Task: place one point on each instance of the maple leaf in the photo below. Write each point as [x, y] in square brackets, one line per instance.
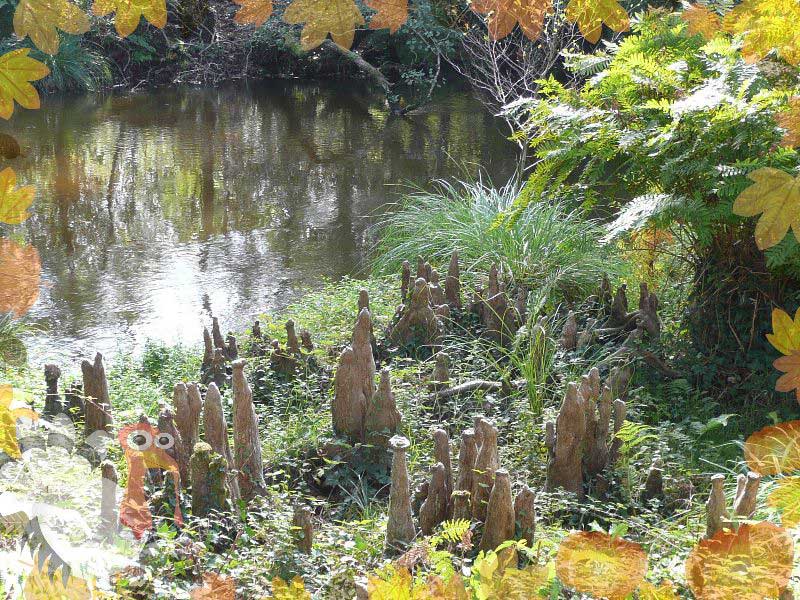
[790, 367]
[774, 449]
[391, 15]
[253, 12]
[292, 590]
[767, 25]
[20, 270]
[130, 12]
[14, 202]
[665, 591]
[8, 421]
[776, 194]
[591, 14]
[17, 69]
[785, 336]
[601, 565]
[789, 120]
[39, 20]
[215, 587]
[752, 563]
[322, 17]
[505, 14]
[701, 20]
[786, 496]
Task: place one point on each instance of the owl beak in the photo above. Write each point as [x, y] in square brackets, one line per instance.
[155, 458]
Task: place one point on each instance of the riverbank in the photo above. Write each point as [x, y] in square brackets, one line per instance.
[672, 437]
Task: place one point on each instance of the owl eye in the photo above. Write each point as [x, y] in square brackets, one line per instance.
[140, 439]
[165, 441]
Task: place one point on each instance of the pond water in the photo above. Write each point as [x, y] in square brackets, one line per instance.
[156, 210]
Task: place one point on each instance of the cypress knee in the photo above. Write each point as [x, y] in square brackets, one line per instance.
[209, 473]
[247, 446]
[216, 432]
[400, 531]
[499, 525]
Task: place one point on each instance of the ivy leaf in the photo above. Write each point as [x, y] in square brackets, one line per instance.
[789, 120]
[767, 25]
[40, 20]
[17, 69]
[14, 202]
[701, 20]
[20, 271]
[130, 12]
[786, 497]
[338, 18]
[505, 14]
[253, 12]
[591, 14]
[391, 15]
[785, 336]
[790, 367]
[776, 194]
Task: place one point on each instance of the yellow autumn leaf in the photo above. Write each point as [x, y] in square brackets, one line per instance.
[292, 590]
[130, 12]
[665, 591]
[8, 421]
[786, 497]
[767, 25]
[785, 334]
[20, 271]
[17, 70]
[790, 367]
[604, 566]
[39, 585]
[752, 563]
[701, 20]
[776, 194]
[338, 18]
[789, 120]
[14, 201]
[591, 14]
[40, 19]
[391, 14]
[395, 585]
[253, 12]
[774, 449]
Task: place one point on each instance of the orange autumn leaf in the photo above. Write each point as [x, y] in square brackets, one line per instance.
[253, 12]
[14, 201]
[20, 270]
[775, 449]
[786, 497]
[789, 120]
[776, 194]
[338, 18]
[752, 563]
[591, 14]
[130, 12]
[785, 336]
[41, 19]
[17, 70]
[767, 25]
[592, 562]
[665, 591]
[391, 15]
[790, 367]
[8, 421]
[701, 20]
[215, 587]
[505, 14]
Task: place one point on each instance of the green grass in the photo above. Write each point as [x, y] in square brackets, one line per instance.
[549, 248]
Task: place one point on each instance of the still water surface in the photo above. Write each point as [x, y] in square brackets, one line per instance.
[156, 210]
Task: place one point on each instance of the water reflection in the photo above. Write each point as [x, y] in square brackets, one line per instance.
[155, 210]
